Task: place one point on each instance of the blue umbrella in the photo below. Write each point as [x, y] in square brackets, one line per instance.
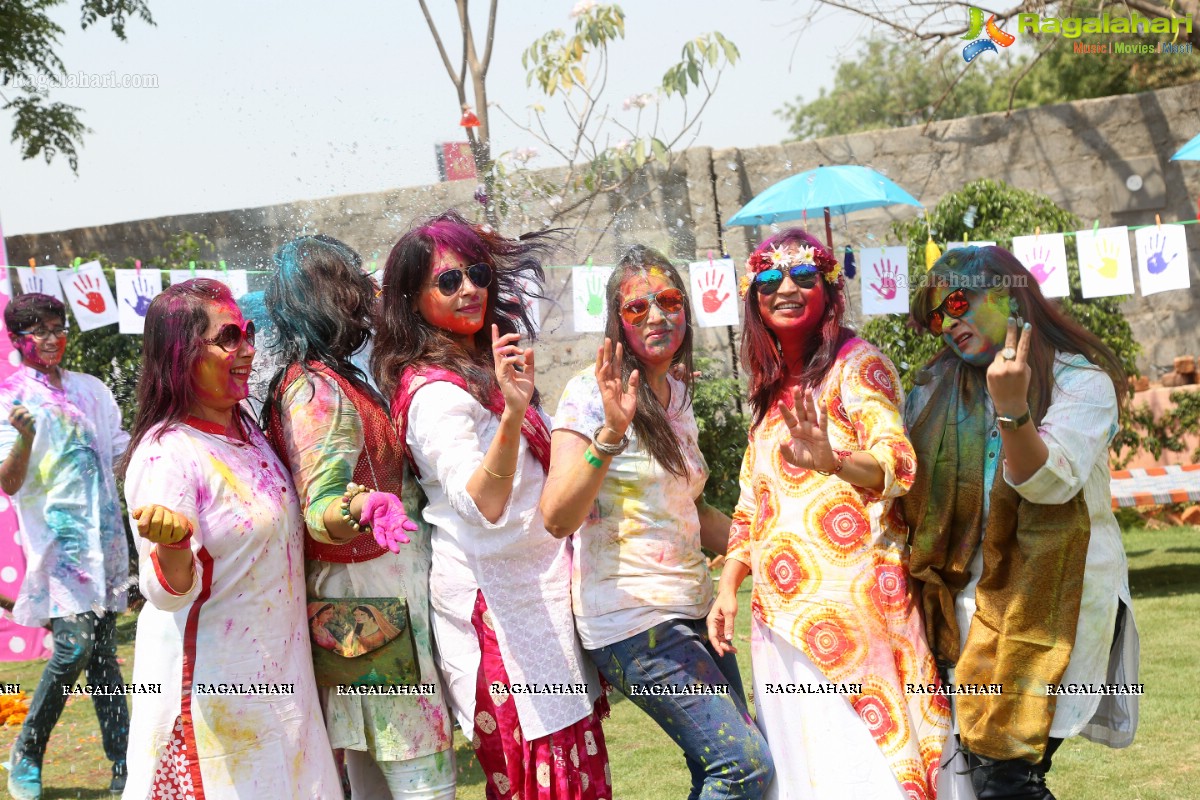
[1189, 152]
[837, 190]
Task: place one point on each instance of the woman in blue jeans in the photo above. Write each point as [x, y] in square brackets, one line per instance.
[626, 479]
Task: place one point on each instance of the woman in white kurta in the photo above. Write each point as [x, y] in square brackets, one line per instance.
[224, 632]
[1024, 415]
[500, 585]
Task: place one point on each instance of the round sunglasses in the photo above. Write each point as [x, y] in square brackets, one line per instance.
[954, 306]
[450, 281]
[805, 276]
[669, 301]
[231, 336]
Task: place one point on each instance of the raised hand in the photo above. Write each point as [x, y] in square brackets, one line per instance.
[888, 274]
[809, 446]
[1008, 375]
[514, 370]
[384, 512]
[161, 525]
[619, 397]
[1037, 269]
[710, 283]
[88, 286]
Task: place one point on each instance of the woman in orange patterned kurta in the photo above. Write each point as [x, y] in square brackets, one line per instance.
[845, 686]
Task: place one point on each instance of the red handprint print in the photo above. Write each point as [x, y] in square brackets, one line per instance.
[710, 287]
[88, 286]
[888, 273]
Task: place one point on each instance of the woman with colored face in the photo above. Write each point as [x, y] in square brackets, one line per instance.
[1012, 423]
[220, 543]
[449, 353]
[815, 523]
[332, 428]
[626, 482]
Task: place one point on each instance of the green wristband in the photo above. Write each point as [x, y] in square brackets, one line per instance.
[590, 458]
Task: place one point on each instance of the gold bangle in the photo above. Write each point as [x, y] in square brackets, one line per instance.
[498, 475]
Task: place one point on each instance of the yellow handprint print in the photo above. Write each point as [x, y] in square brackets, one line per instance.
[1107, 252]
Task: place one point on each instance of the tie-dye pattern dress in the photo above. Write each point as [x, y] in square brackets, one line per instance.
[238, 714]
[837, 638]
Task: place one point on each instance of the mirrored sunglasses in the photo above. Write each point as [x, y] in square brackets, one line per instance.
[669, 301]
[805, 276]
[954, 306]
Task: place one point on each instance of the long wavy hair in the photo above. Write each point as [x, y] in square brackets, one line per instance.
[650, 419]
[322, 306]
[171, 346]
[991, 268]
[761, 355]
[404, 338]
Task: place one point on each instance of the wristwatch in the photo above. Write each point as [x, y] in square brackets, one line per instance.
[1010, 423]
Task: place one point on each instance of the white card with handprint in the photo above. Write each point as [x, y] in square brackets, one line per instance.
[1045, 256]
[1162, 259]
[980, 243]
[587, 298]
[181, 275]
[135, 289]
[39, 280]
[714, 292]
[236, 279]
[1105, 265]
[884, 277]
[89, 297]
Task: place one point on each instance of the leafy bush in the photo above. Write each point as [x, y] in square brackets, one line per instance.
[723, 431]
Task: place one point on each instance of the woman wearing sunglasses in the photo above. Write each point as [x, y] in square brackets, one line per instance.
[1023, 576]
[627, 479]
[333, 431]
[836, 638]
[220, 546]
[477, 446]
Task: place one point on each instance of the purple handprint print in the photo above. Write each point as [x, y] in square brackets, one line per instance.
[35, 285]
[144, 295]
[1037, 265]
[888, 274]
[1155, 263]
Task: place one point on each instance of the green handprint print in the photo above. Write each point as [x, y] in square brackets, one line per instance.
[595, 290]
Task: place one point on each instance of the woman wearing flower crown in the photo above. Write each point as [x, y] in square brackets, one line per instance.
[836, 637]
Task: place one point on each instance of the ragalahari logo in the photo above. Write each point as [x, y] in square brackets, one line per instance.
[995, 36]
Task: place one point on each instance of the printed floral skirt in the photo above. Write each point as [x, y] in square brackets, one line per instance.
[570, 764]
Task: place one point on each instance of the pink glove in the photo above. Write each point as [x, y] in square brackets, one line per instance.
[385, 514]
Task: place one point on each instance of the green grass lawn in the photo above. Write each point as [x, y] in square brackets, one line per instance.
[1164, 572]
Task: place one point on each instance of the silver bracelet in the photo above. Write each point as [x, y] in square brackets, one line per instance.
[609, 449]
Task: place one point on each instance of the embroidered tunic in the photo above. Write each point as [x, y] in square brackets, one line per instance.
[240, 628]
[76, 555]
[828, 564]
[324, 437]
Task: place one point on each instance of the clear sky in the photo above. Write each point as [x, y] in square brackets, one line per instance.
[269, 102]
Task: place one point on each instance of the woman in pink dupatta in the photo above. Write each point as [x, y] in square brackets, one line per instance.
[477, 448]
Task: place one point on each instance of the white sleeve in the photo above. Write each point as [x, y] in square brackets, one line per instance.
[1077, 428]
[165, 473]
[443, 435]
[120, 438]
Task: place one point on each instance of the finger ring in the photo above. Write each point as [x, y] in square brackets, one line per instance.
[1008, 354]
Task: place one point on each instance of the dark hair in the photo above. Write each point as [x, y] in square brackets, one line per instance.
[987, 268]
[761, 356]
[172, 344]
[321, 306]
[312, 617]
[404, 338]
[27, 310]
[650, 421]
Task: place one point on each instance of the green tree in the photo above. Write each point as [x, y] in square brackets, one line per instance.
[29, 64]
[894, 83]
[723, 430]
[1001, 213]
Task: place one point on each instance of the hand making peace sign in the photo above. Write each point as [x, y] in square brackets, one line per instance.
[1008, 375]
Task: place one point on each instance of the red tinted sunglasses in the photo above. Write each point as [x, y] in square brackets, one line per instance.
[954, 306]
[670, 301]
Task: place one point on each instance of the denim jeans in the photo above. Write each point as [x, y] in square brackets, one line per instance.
[725, 752]
[82, 641]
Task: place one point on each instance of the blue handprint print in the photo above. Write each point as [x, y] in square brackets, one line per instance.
[144, 295]
[34, 284]
[1155, 263]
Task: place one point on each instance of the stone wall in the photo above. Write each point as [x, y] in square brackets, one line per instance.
[1079, 154]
